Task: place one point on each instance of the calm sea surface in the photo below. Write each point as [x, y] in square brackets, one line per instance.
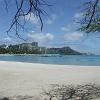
[63, 60]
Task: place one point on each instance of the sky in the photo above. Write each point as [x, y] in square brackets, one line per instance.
[60, 27]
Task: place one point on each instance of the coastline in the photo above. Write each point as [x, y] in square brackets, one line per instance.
[30, 55]
[18, 78]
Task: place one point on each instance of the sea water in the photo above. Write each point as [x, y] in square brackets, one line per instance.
[92, 60]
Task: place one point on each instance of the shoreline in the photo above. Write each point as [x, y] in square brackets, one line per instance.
[45, 54]
[51, 64]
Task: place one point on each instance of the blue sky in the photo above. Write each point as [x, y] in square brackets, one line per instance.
[60, 28]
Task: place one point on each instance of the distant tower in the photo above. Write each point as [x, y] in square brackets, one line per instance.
[45, 50]
[35, 44]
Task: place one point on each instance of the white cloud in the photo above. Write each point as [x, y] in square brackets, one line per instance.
[78, 15]
[41, 37]
[7, 39]
[31, 18]
[51, 19]
[65, 29]
[73, 36]
[68, 28]
[70, 32]
[35, 20]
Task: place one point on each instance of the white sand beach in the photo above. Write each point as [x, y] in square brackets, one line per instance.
[18, 78]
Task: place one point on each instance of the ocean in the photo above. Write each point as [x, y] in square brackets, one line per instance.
[92, 60]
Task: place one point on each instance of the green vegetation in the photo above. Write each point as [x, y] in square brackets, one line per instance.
[33, 48]
[91, 17]
[21, 49]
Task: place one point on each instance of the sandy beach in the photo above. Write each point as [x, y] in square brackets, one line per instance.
[18, 78]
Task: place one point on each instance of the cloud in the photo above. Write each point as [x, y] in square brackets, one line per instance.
[35, 20]
[69, 28]
[7, 39]
[65, 29]
[31, 18]
[70, 32]
[51, 19]
[78, 15]
[41, 37]
[73, 36]
[73, 26]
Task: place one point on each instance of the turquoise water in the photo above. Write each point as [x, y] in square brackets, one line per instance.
[62, 60]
